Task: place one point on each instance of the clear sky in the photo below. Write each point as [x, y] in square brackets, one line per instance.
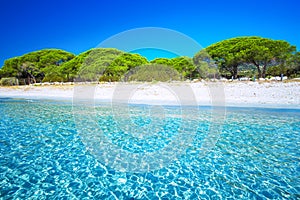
[77, 26]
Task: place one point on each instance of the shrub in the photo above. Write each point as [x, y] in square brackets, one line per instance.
[152, 72]
[9, 81]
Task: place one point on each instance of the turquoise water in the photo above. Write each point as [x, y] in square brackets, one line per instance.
[43, 156]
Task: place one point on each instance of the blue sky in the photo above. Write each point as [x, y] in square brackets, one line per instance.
[77, 26]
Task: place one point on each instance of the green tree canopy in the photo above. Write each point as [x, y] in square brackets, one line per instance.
[184, 65]
[241, 56]
[122, 64]
[293, 65]
[152, 72]
[205, 65]
[226, 55]
[95, 63]
[163, 61]
[69, 70]
[33, 67]
[261, 52]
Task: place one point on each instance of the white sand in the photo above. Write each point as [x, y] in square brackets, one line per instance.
[266, 94]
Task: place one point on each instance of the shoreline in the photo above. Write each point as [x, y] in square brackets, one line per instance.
[237, 94]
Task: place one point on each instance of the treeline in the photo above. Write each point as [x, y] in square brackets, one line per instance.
[253, 56]
[232, 58]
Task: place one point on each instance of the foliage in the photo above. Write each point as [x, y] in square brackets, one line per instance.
[235, 57]
[54, 75]
[94, 65]
[33, 66]
[122, 64]
[264, 53]
[261, 52]
[185, 66]
[247, 70]
[69, 70]
[152, 72]
[207, 71]
[10, 68]
[163, 61]
[9, 81]
[205, 65]
[275, 71]
[226, 55]
[293, 65]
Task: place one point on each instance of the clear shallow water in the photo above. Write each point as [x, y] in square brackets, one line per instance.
[42, 155]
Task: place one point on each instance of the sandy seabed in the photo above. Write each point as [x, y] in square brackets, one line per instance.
[253, 94]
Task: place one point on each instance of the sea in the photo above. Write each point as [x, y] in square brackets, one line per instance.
[53, 149]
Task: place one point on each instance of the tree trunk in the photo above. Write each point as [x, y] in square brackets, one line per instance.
[263, 75]
[235, 72]
[28, 80]
[259, 71]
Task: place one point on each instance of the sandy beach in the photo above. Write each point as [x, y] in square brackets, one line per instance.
[256, 94]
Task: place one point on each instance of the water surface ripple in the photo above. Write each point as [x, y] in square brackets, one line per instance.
[42, 156]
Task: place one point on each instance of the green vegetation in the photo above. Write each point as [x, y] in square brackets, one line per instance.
[184, 65]
[152, 72]
[262, 53]
[33, 67]
[121, 65]
[232, 58]
[162, 61]
[205, 66]
[10, 81]
[292, 66]
[96, 62]
[69, 70]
